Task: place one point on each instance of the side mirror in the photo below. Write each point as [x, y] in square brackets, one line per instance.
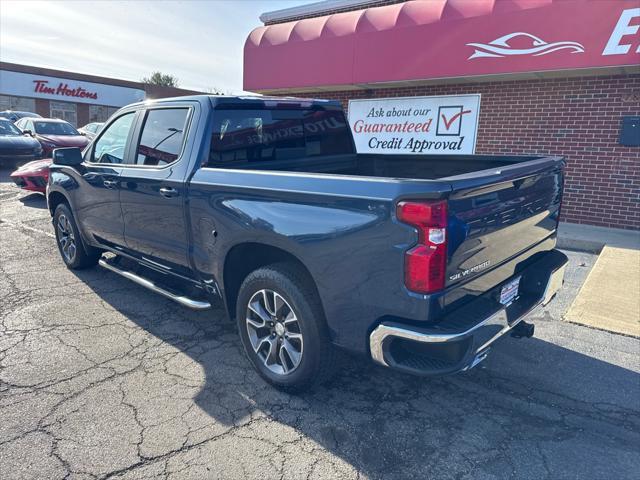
[69, 156]
[27, 132]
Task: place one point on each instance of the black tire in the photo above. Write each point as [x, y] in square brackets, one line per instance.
[82, 256]
[317, 353]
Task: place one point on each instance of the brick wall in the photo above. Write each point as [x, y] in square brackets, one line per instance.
[42, 107]
[576, 117]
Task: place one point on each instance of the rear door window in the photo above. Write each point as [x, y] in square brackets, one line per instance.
[244, 138]
[162, 136]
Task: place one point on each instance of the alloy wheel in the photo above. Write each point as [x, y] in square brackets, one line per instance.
[66, 238]
[274, 332]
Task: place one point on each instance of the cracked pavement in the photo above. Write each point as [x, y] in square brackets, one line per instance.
[100, 378]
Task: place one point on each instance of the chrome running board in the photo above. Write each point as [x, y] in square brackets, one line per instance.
[143, 282]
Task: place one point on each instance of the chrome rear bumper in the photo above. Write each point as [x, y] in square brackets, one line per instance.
[463, 338]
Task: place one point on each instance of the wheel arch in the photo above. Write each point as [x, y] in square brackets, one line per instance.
[244, 258]
[54, 199]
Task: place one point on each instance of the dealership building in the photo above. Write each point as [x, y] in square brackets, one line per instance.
[74, 97]
[557, 77]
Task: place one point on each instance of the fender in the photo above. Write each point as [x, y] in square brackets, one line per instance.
[61, 182]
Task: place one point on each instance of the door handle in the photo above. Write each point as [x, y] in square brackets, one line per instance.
[168, 192]
[110, 183]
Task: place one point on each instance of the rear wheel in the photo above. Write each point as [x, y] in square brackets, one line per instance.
[282, 328]
[75, 253]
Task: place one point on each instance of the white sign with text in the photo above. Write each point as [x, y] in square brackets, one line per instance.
[415, 125]
[54, 88]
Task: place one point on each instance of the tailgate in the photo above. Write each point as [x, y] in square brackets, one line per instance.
[495, 215]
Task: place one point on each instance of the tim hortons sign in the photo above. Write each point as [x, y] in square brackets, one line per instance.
[63, 89]
[67, 90]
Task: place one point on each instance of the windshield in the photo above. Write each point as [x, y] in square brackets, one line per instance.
[8, 128]
[54, 128]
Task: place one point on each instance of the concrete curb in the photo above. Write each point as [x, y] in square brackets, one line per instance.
[587, 238]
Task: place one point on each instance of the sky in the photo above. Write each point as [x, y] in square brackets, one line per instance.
[198, 41]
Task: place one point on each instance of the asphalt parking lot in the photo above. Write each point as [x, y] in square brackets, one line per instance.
[101, 379]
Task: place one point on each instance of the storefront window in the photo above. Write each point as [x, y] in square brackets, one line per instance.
[20, 104]
[100, 113]
[64, 111]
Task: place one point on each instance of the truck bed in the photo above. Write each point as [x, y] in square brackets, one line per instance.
[498, 206]
[415, 167]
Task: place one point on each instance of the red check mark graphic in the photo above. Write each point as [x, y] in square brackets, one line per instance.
[447, 123]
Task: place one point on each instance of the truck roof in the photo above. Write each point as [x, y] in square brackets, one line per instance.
[250, 100]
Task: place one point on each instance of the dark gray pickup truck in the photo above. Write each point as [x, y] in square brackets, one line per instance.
[263, 204]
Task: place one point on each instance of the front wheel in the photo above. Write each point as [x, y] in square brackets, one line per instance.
[282, 328]
[75, 254]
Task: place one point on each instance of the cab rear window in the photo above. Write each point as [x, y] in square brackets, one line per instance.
[248, 138]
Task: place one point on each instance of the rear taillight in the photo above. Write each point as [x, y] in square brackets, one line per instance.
[425, 264]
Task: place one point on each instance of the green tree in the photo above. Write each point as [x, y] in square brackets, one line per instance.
[162, 79]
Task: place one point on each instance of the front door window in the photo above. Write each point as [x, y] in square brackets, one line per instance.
[110, 147]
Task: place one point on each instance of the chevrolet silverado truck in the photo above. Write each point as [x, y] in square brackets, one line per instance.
[263, 206]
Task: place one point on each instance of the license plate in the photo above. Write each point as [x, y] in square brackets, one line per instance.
[509, 291]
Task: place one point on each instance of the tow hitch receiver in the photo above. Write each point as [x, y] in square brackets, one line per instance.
[523, 330]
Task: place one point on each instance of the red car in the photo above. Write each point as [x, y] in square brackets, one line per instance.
[52, 133]
[33, 176]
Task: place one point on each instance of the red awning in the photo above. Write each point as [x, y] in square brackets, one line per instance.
[420, 40]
